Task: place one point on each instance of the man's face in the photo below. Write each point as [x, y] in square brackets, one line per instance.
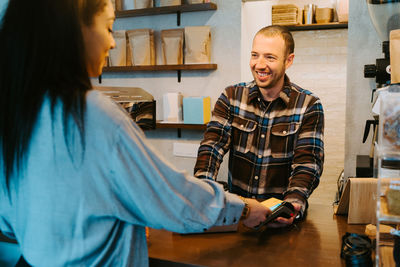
[268, 61]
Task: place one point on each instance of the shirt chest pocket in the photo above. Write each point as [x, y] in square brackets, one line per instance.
[283, 138]
[243, 131]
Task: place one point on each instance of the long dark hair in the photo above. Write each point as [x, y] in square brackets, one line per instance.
[42, 54]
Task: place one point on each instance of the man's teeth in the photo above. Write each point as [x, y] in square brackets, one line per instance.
[263, 74]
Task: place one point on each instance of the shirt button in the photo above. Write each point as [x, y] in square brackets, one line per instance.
[256, 177]
[263, 135]
[284, 132]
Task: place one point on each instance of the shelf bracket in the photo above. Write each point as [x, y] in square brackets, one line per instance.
[179, 75]
[178, 18]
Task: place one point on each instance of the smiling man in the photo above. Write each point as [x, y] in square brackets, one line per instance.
[272, 128]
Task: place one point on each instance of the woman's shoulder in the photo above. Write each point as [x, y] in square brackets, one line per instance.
[105, 115]
[101, 107]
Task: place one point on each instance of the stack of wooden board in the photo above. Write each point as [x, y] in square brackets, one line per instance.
[285, 14]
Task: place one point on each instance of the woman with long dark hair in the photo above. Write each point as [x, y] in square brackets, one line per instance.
[79, 182]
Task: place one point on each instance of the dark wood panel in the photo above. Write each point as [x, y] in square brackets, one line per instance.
[165, 10]
[161, 68]
[313, 242]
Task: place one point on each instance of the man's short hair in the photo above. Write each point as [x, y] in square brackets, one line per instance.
[277, 30]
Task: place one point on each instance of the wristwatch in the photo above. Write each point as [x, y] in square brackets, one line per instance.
[246, 209]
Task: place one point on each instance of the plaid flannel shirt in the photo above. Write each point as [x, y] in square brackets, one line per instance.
[276, 148]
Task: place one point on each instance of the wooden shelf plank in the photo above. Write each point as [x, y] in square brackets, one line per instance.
[165, 10]
[327, 26]
[160, 125]
[161, 68]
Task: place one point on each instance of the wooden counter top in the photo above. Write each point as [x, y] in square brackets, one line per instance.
[313, 242]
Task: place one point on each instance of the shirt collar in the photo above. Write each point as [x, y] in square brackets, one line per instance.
[254, 91]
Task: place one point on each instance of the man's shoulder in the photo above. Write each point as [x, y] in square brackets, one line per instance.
[239, 89]
[302, 91]
[239, 93]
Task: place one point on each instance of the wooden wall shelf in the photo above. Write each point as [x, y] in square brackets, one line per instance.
[177, 68]
[180, 126]
[160, 125]
[315, 26]
[161, 68]
[165, 10]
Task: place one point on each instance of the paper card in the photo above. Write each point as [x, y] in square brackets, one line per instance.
[272, 203]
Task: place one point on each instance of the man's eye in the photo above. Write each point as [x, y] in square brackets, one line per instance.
[110, 30]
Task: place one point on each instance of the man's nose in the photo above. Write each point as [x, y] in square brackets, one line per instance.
[261, 63]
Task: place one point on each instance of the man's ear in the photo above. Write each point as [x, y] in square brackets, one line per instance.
[289, 60]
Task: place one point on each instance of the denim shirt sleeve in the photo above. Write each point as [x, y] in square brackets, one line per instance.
[152, 192]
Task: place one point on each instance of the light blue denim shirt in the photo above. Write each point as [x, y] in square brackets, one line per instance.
[91, 210]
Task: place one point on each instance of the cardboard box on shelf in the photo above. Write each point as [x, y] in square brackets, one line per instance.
[343, 10]
[284, 14]
[196, 110]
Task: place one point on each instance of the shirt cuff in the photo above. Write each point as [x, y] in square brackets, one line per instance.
[233, 210]
[301, 202]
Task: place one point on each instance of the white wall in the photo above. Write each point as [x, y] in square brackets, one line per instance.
[255, 15]
[320, 66]
[364, 48]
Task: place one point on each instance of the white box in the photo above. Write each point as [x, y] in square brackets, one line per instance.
[172, 103]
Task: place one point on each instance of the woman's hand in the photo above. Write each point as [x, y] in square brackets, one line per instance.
[258, 213]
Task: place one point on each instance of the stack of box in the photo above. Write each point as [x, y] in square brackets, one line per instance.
[196, 110]
[285, 14]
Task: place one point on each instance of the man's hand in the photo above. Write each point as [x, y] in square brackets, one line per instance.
[258, 213]
[283, 222]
